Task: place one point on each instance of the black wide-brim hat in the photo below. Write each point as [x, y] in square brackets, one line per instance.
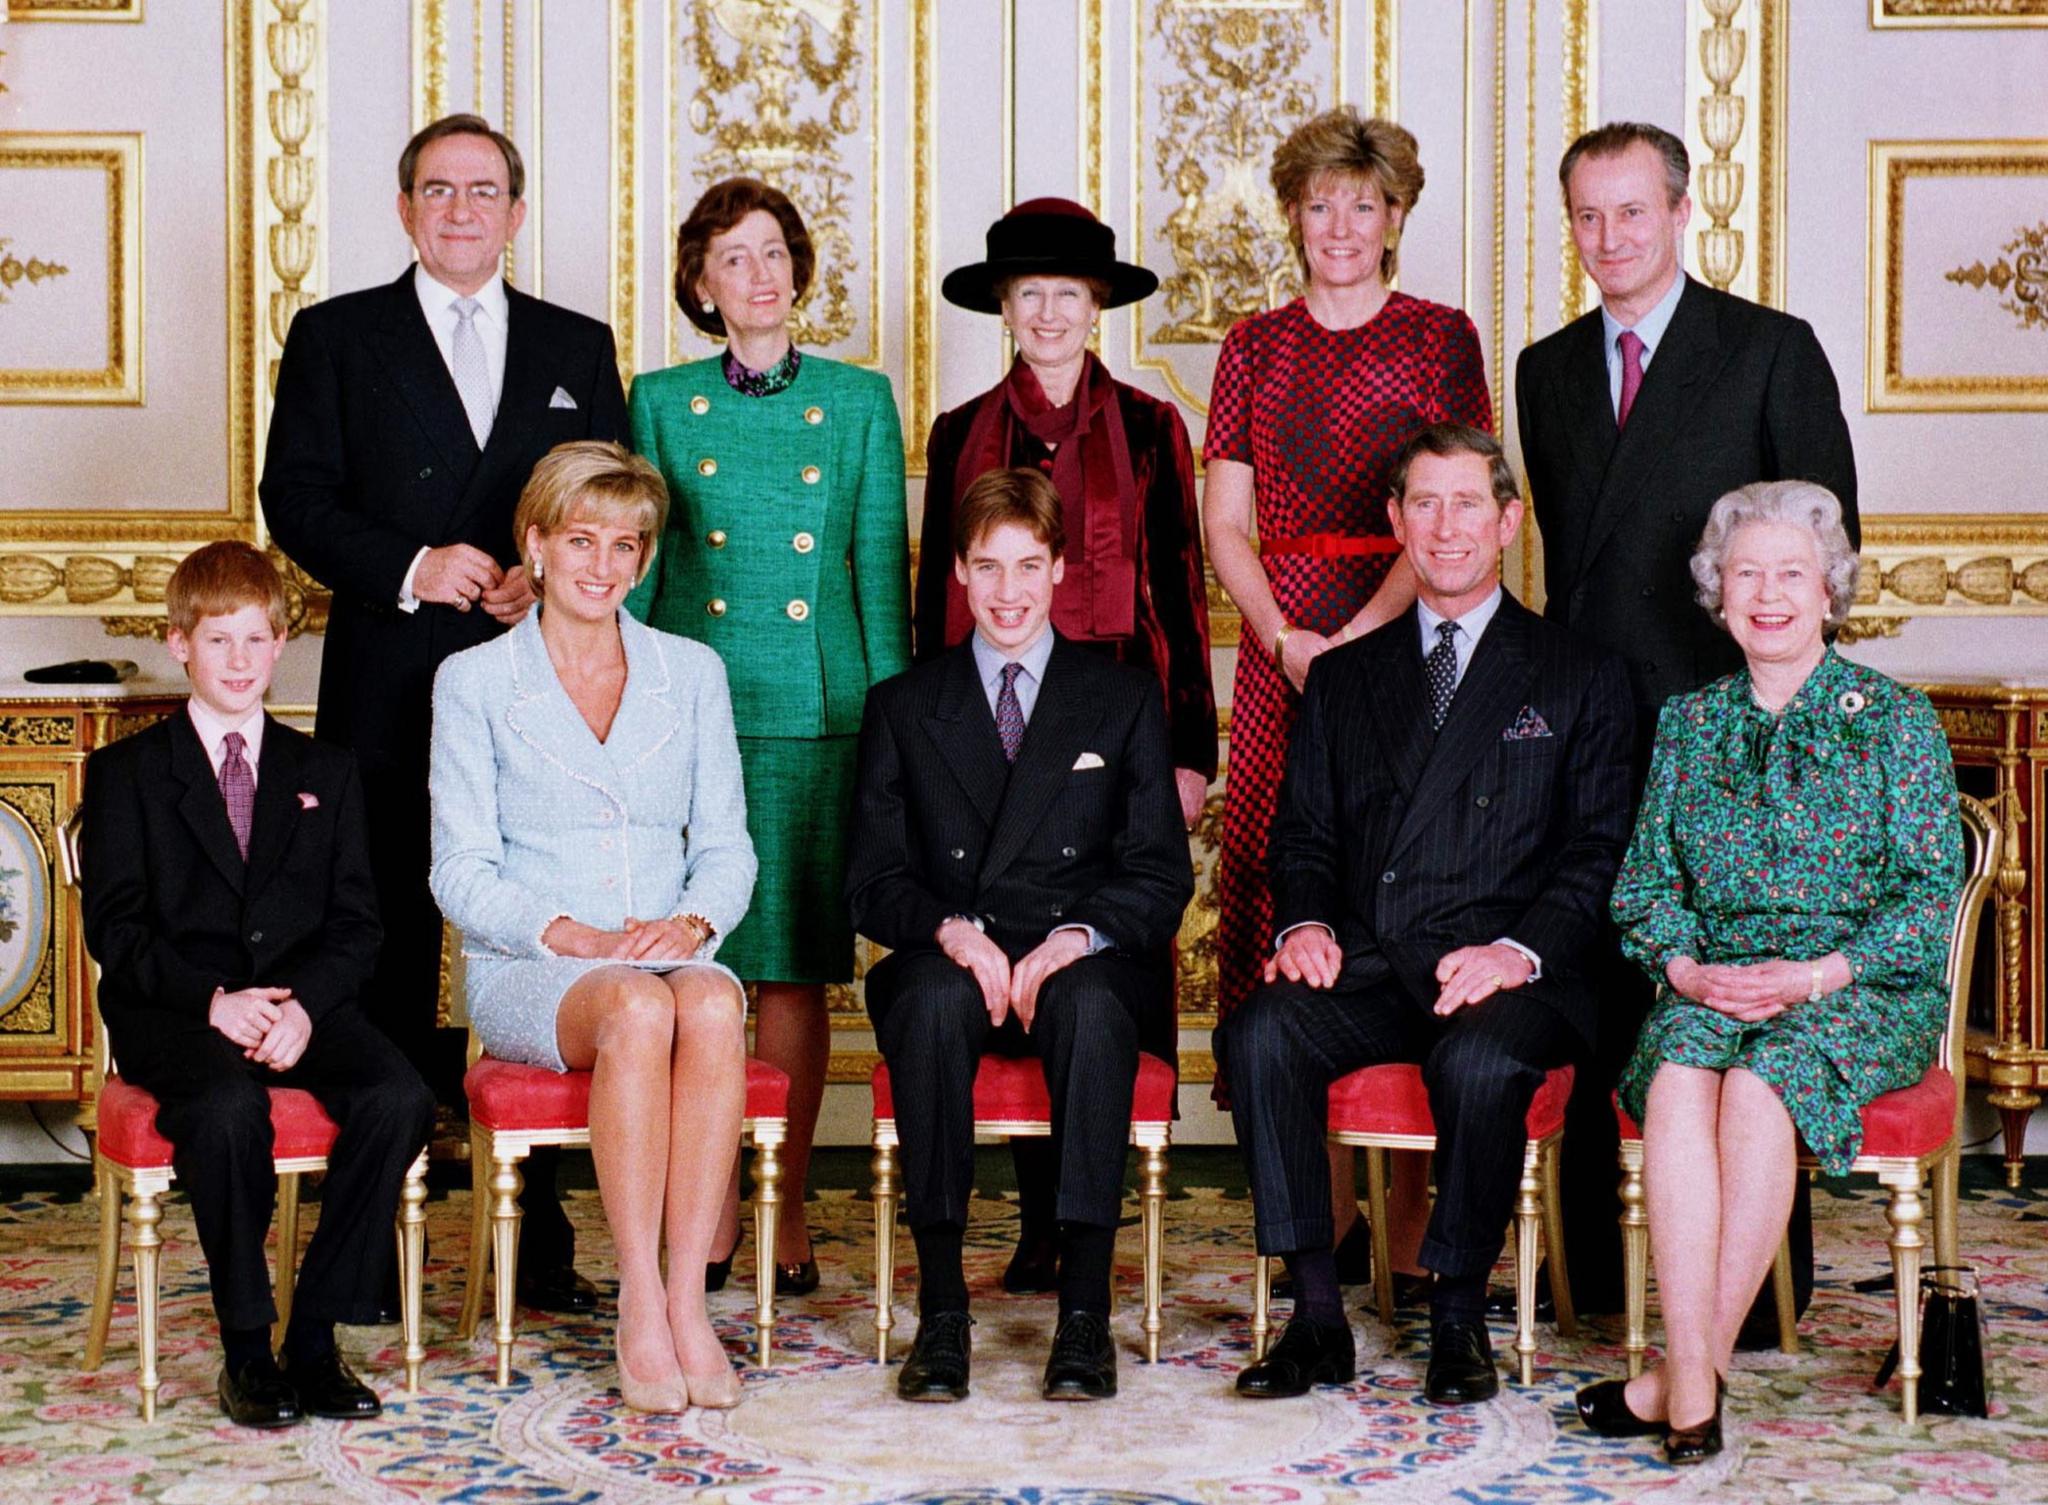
[1047, 238]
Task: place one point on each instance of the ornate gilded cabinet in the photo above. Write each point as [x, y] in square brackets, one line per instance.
[1999, 736]
[46, 1015]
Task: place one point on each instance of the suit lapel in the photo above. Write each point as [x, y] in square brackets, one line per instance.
[529, 385]
[1404, 724]
[964, 732]
[1060, 723]
[1688, 355]
[409, 353]
[646, 719]
[277, 806]
[541, 713]
[201, 805]
[1495, 686]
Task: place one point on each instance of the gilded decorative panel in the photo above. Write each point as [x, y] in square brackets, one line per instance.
[786, 91]
[30, 964]
[1958, 276]
[1735, 128]
[71, 268]
[1887, 13]
[74, 10]
[1962, 564]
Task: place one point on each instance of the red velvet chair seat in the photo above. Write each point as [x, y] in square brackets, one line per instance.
[508, 1097]
[1011, 1089]
[128, 1136]
[1902, 1125]
[1394, 1100]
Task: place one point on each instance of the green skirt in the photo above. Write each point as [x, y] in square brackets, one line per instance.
[799, 810]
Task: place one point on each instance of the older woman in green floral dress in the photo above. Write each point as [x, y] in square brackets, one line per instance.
[1789, 886]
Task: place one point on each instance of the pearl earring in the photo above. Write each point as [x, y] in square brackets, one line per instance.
[710, 307]
[534, 573]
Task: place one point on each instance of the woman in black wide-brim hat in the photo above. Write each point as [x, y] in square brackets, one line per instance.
[1126, 476]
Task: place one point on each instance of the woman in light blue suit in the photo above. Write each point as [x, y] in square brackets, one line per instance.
[590, 841]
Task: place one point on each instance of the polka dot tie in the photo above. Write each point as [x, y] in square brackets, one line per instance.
[1010, 712]
[1440, 669]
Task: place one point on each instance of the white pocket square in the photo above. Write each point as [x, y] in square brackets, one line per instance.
[1087, 760]
[561, 399]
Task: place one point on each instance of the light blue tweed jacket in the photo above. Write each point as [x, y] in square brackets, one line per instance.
[534, 818]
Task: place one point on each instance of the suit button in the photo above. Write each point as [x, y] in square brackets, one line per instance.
[1678, 517]
[611, 882]
[811, 475]
[798, 610]
[715, 607]
[429, 470]
[707, 466]
[1649, 668]
[959, 854]
[255, 937]
[1066, 851]
[604, 817]
[716, 538]
[1387, 876]
[604, 844]
[1057, 911]
[1649, 591]
[1482, 802]
[700, 405]
[803, 543]
[814, 415]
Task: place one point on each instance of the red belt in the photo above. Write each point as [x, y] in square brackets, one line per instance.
[1332, 545]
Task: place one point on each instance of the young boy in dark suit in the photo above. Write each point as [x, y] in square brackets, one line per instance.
[228, 899]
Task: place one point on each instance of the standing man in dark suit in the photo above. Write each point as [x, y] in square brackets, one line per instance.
[1018, 847]
[227, 899]
[1635, 419]
[407, 420]
[1454, 808]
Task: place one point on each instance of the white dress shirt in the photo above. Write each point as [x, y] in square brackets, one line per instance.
[492, 321]
[1649, 329]
[213, 731]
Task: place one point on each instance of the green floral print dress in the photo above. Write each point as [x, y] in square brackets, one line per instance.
[1830, 826]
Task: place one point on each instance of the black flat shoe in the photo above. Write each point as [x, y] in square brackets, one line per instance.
[258, 1395]
[1687, 1445]
[718, 1271]
[1083, 1362]
[799, 1279]
[328, 1387]
[1034, 1268]
[556, 1288]
[1603, 1407]
[1461, 1370]
[1306, 1354]
[936, 1369]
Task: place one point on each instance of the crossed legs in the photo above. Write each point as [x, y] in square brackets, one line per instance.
[1719, 1165]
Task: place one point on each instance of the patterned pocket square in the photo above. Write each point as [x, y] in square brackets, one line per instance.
[1528, 724]
[561, 399]
[308, 800]
[1087, 760]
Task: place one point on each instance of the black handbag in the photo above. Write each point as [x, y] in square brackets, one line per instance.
[1955, 1375]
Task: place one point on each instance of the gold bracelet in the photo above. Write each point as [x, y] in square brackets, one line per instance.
[1815, 993]
[1280, 640]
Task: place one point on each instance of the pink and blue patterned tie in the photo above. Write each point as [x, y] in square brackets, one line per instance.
[237, 790]
[1010, 713]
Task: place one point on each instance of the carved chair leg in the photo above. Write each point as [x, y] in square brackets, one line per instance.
[1947, 1172]
[108, 1269]
[1528, 1215]
[1553, 1245]
[1784, 1301]
[505, 1184]
[767, 1213]
[287, 1279]
[1906, 1213]
[885, 1244]
[1153, 1221]
[1262, 1303]
[1635, 1254]
[145, 1212]
[1376, 1209]
[412, 1279]
[479, 1232]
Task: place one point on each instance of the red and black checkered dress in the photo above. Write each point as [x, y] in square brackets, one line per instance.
[1319, 415]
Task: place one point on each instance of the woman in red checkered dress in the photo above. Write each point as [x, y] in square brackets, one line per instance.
[1311, 402]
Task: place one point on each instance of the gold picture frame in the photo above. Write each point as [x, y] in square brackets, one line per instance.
[1888, 15]
[117, 154]
[2017, 275]
[74, 10]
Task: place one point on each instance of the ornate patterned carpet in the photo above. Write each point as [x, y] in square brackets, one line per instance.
[822, 1426]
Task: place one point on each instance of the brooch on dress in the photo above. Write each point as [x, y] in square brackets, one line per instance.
[1851, 702]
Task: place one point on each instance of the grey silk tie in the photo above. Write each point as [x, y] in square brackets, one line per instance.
[472, 371]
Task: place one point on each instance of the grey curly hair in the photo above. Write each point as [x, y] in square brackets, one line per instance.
[1803, 503]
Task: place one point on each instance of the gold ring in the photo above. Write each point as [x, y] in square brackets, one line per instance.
[1499, 981]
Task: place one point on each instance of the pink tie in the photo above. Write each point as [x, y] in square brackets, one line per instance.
[1631, 374]
[237, 789]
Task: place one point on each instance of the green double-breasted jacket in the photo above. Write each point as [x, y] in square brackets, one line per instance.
[787, 545]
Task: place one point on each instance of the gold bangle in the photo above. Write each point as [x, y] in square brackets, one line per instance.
[1280, 640]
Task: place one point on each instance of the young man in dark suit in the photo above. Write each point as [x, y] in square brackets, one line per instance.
[1018, 847]
[408, 418]
[1635, 419]
[1454, 808]
[228, 900]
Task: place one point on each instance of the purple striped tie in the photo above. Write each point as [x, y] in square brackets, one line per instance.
[1010, 712]
[237, 789]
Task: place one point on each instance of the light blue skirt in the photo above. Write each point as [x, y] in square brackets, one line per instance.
[513, 1001]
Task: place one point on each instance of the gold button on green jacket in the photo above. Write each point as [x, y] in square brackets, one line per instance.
[789, 511]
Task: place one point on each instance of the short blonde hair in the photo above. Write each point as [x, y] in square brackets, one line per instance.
[219, 580]
[1341, 143]
[1802, 503]
[592, 479]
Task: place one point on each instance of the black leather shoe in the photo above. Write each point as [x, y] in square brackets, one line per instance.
[937, 1366]
[258, 1395]
[799, 1279]
[1035, 1267]
[1461, 1368]
[1684, 1445]
[718, 1271]
[1306, 1354]
[556, 1288]
[328, 1387]
[1083, 1362]
[1500, 1302]
[1603, 1407]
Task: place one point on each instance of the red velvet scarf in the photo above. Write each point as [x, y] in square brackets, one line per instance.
[1099, 499]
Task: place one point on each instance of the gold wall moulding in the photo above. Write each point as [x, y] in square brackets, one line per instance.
[1737, 71]
[82, 581]
[1894, 166]
[13, 269]
[74, 10]
[1946, 565]
[2019, 278]
[1864, 629]
[1901, 13]
[292, 48]
[117, 155]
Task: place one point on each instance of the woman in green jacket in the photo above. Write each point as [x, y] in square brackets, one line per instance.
[786, 551]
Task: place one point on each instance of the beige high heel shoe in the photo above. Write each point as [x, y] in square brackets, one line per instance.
[669, 1394]
[714, 1392]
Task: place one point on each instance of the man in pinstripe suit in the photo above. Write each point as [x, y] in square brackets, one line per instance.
[1455, 805]
[1018, 846]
